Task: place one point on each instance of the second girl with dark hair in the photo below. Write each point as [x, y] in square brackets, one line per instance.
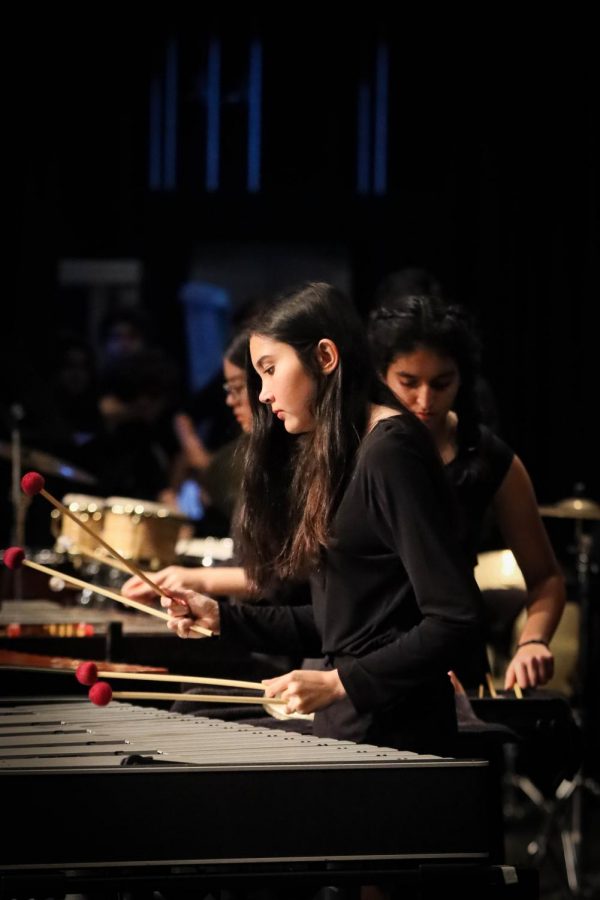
[426, 351]
[344, 487]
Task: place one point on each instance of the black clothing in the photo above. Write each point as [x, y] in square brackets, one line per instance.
[475, 482]
[476, 489]
[394, 603]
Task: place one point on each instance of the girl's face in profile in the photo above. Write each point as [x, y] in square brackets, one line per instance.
[286, 385]
[426, 383]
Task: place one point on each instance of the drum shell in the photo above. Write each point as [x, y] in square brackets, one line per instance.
[69, 536]
[141, 530]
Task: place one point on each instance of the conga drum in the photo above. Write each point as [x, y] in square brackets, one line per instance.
[70, 538]
[142, 530]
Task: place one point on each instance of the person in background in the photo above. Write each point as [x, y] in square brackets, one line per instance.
[124, 332]
[419, 282]
[427, 354]
[132, 453]
[219, 474]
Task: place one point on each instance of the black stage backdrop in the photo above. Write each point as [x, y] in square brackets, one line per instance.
[484, 169]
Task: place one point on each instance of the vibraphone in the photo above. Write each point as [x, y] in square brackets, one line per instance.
[128, 792]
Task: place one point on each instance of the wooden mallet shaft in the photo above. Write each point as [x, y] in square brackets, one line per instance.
[102, 558]
[130, 566]
[97, 589]
[182, 679]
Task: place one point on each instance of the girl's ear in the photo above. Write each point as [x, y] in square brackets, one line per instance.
[328, 356]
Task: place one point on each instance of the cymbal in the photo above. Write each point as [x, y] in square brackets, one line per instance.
[572, 508]
[44, 462]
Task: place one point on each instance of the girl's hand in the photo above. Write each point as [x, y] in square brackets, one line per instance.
[186, 608]
[305, 690]
[531, 666]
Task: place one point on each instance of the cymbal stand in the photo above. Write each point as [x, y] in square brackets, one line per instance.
[563, 814]
[572, 838]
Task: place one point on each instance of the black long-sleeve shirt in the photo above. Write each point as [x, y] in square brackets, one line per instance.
[394, 602]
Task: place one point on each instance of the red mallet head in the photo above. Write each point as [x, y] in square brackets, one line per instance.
[32, 483]
[100, 693]
[13, 557]
[87, 673]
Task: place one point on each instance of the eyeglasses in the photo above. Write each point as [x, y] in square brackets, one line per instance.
[233, 390]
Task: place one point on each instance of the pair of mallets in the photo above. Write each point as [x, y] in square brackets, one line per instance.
[100, 692]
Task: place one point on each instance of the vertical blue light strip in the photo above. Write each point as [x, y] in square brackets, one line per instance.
[382, 66]
[254, 116]
[154, 137]
[170, 162]
[213, 110]
[363, 144]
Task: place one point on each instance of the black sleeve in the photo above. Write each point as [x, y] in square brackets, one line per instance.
[271, 629]
[410, 510]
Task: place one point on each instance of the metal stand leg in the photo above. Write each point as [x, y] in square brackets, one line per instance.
[562, 817]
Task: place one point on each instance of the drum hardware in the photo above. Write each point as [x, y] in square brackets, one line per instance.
[48, 557]
[22, 457]
[205, 551]
[562, 814]
[76, 560]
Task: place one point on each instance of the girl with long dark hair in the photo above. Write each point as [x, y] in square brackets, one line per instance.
[343, 487]
[427, 352]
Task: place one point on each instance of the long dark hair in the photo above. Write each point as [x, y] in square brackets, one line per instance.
[407, 322]
[236, 350]
[292, 483]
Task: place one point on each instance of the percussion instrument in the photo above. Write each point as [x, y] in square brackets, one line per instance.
[69, 537]
[31, 458]
[142, 530]
[206, 551]
[128, 790]
[571, 508]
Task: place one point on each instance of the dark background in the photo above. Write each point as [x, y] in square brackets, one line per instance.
[492, 183]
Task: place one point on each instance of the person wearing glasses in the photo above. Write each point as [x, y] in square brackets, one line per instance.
[219, 475]
[218, 472]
